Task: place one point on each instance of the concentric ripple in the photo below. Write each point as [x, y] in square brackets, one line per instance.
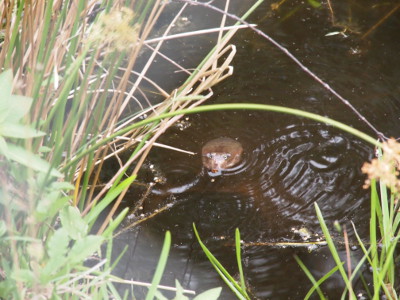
[310, 163]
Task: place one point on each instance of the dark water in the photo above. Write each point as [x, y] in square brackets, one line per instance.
[289, 163]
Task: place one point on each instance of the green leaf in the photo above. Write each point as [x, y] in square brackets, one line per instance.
[12, 107]
[3, 146]
[115, 223]
[162, 262]
[239, 259]
[30, 160]
[57, 246]
[18, 107]
[3, 228]
[209, 294]
[44, 149]
[50, 204]
[5, 92]
[73, 223]
[6, 288]
[14, 130]
[62, 185]
[314, 3]
[84, 248]
[226, 277]
[24, 275]
[179, 292]
[110, 196]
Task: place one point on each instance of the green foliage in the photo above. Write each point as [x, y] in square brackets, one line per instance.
[154, 291]
[211, 294]
[238, 289]
[379, 254]
[12, 109]
[30, 199]
[160, 266]
[54, 142]
[314, 3]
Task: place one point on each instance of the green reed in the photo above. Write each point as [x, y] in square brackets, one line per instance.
[59, 135]
[62, 56]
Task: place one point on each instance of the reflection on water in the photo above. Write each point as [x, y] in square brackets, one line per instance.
[288, 163]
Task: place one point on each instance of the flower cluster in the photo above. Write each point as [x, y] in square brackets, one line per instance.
[386, 168]
[115, 30]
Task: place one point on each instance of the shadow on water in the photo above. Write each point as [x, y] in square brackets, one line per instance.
[289, 163]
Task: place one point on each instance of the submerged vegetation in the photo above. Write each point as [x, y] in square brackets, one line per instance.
[76, 92]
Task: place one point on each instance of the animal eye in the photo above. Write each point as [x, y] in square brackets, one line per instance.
[209, 155]
[226, 156]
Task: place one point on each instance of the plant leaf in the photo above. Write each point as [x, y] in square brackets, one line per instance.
[3, 146]
[84, 247]
[73, 223]
[162, 262]
[211, 294]
[23, 275]
[179, 291]
[14, 130]
[30, 160]
[314, 3]
[57, 248]
[3, 228]
[18, 106]
[57, 245]
[49, 205]
[5, 92]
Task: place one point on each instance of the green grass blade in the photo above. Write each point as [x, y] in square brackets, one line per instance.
[160, 266]
[375, 214]
[111, 195]
[315, 283]
[387, 264]
[231, 106]
[332, 248]
[115, 222]
[228, 279]
[239, 259]
[15, 33]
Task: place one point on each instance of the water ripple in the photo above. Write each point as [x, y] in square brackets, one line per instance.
[306, 164]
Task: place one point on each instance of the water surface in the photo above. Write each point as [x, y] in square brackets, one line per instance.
[289, 163]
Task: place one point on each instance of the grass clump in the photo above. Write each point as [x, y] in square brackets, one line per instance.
[71, 89]
[380, 251]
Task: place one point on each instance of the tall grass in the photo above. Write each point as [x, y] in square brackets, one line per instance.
[69, 77]
[76, 65]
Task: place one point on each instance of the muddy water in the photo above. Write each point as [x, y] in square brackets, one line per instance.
[288, 163]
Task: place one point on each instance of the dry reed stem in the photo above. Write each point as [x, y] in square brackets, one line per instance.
[380, 22]
[348, 260]
[69, 45]
[209, 78]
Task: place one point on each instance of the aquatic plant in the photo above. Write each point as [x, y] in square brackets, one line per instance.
[74, 62]
[238, 288]
[66, 59]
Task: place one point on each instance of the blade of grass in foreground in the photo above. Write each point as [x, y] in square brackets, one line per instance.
[160, 266]
[333, 249]
[226, 277]
[111, 195]
[316, 284]
[239, 259]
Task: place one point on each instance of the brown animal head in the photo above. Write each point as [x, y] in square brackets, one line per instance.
[221, 154]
